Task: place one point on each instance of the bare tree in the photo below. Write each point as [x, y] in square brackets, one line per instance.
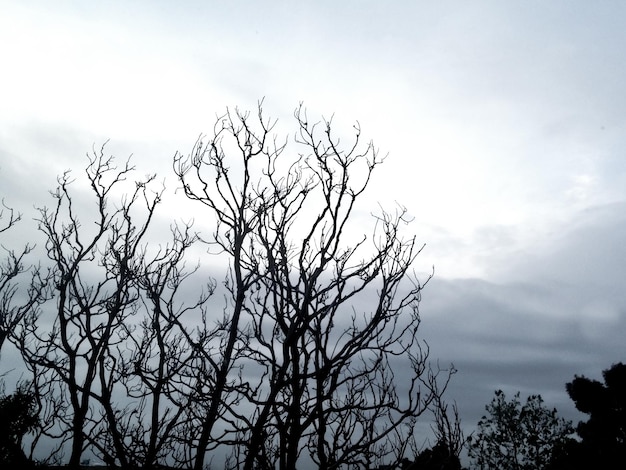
[315, 355]
[316, 317]
[95, 295]
[14, 307]
[23, 288]
[236, 217]
[154, 362]
[447, 428]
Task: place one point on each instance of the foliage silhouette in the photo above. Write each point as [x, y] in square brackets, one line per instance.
[18, 416]
[517, 436]
[440, 457]
[602, 438]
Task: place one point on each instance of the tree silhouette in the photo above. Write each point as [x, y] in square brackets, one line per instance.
[17, 299]
[602, 441]
[440, 457]
[517, 436]
[18, 416]
[310, 355]
[72, 355]
[324, 383]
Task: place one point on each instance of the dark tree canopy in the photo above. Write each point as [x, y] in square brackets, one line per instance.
[18, 416]
[517, 436]
[602, 438]
[440, 457]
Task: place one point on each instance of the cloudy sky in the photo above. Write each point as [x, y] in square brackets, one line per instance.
[505, 125]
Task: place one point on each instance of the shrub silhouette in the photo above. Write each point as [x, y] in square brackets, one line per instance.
[17, 417]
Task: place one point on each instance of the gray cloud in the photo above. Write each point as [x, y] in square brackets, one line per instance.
[556, 311]
[504, 123]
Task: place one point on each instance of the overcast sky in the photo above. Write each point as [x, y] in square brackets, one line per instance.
[505, 125]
